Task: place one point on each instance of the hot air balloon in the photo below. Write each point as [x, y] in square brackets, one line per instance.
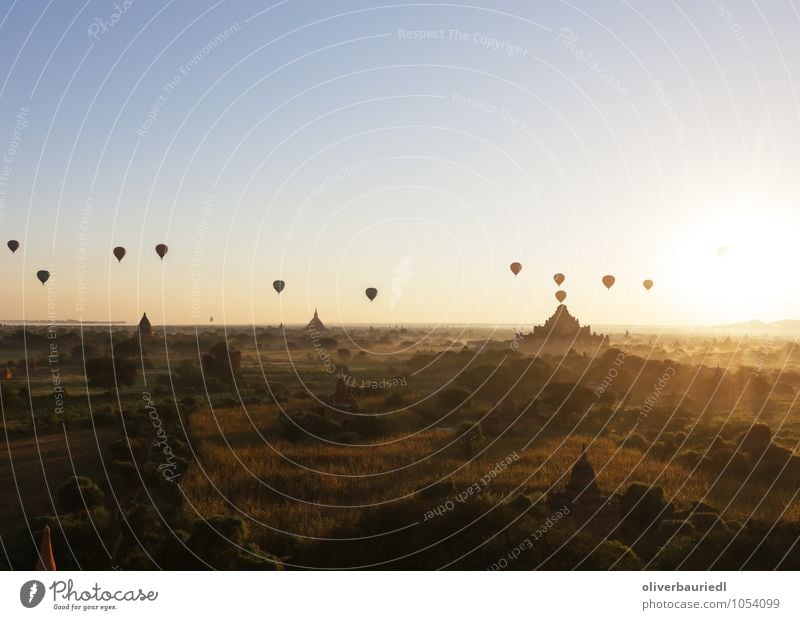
[13, 245]
[561, 296]
[43, 276]
[516, 268]
[559, 278]
[279, 285]
[119, 253]
[609, 281]
[648, 284]
[372, 293]
[211, 319]
[161, 250]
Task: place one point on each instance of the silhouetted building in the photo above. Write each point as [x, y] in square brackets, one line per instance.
[316, 323]
[560, 333]
[589, 508]
[344, 397]
[46, 559]
[145, 327]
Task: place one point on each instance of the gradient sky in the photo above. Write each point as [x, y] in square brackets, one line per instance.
[317, 143]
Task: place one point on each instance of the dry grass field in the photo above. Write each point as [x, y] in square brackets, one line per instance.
[306, 489]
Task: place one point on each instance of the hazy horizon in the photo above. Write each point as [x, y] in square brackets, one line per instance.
[737, 326]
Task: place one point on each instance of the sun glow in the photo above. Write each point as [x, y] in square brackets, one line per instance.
[731, 264]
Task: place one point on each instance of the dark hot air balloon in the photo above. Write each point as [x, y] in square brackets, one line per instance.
[279, 285]
[516, 268]
[13, 245]
[648, 284]
[119, 253]
[561, 296]
[161, 250]
[372, 293]
[559, 278]
[43, 276]
[608, 281]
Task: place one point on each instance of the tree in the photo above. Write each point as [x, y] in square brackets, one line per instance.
[222, 362]
[756, 439]
[758, 391]
[607, 398]
[81, 352]
[107, 372]
[217, 540]
[130, 347]
[79, 493]
[454, 397]
[568, 397]
[644, 506]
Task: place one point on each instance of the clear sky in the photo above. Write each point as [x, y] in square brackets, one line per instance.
[419, 148]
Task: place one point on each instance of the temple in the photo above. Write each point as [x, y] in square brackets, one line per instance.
[588, 507]
[316, 324]
[145, 327]
[344, 397]
[560, 333]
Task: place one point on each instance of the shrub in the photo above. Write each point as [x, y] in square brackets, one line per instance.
[636, 442]
[705, 521]
[217, 539]
[349, 438]
[305, 425]
[123, 474]
[105, 415]
[109, 373]
[395, 400]
[253, 558]
[120, 450]
[644, 506]
[756, 439]
[369, 426]
[222, 362]
[675, 527]
[79, 493]
[439, 490]
[454, 397]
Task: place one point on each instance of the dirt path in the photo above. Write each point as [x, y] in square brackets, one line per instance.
[33, 463]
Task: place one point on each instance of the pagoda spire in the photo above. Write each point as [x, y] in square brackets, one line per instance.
[46, 559]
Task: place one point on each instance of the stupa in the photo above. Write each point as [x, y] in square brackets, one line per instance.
[344, 397]
[316, 324]
[587, 505]
[145, 327]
